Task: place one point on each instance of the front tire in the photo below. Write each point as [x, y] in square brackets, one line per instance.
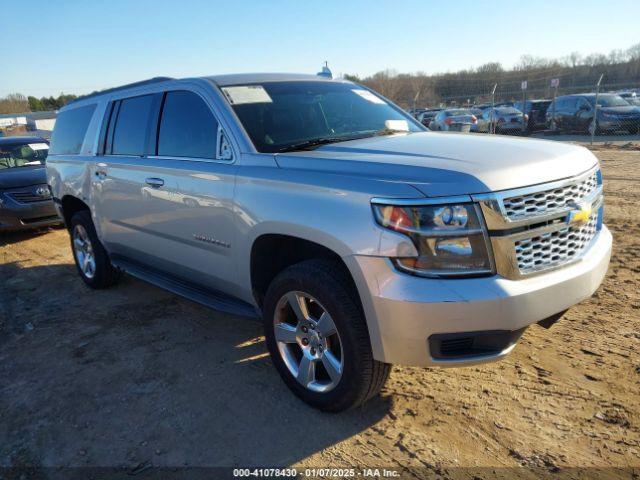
[318, 338]
[92, 260]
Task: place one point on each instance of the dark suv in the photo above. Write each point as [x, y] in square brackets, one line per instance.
[536, 111]
[574, 113]
[25, 200]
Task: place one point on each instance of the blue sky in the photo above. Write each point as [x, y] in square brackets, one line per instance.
[78, 46]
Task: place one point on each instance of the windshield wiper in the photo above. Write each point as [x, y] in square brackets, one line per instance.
[317, 142]
[314, 143]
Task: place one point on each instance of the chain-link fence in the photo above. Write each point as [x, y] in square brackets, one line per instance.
[599, 111]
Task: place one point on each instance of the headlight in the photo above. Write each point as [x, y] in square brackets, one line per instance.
[450, 238]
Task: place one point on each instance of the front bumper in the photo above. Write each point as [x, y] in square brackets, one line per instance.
[403, 312]
[509, 127]
[17, 216]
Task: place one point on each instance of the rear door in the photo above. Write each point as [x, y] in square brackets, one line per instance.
[569, 113]
[120, 173]
[165, 192]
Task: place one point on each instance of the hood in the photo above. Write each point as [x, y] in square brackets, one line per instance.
[442, 164]
[22, 176]
[622, 109]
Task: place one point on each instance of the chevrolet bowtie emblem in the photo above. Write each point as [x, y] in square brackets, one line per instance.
[580, 214]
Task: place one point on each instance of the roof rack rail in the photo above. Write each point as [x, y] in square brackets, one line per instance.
[123, 87]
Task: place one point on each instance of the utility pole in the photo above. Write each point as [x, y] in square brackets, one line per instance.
[594, 122]
[523, 86]
[415, 101]
[554, 84]
[492, 127]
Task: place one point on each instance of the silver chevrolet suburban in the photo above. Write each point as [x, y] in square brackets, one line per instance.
[361, 238]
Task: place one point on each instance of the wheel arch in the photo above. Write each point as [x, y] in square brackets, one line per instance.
[71, 205]
[271, 253]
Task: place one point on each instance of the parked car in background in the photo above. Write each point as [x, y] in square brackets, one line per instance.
[360, 238]
[428, 115]
[536, 110]
[501, 120]
[574, 113]
[25, 200]
[453, 120]
[631, 97]
[415, 112]
[477, 112]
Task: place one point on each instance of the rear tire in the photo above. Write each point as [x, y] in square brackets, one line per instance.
[294, 337]
[92, 260]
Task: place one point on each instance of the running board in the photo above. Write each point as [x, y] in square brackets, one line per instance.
[202, 295]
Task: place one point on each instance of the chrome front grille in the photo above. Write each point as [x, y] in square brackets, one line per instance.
[555, 248]
[549, 201]
[540, 228]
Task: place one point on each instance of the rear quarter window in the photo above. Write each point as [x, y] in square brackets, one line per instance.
[70, 130]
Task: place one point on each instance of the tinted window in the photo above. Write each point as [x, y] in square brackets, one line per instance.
[583, 103]
[571, 103]
[70, 129]
[187, 127]
[129, 136]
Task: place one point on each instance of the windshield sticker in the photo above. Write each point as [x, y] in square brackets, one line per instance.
[38, 146]
[397, 125]
[247, 94]
[367, 95]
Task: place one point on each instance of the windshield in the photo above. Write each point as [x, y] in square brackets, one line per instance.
[609, 101]
[23, 154]
[280, 115]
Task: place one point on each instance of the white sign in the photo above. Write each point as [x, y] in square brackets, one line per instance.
[555, 82]
[523, 85]
[39, 146]
[247, 94]
[367, 95]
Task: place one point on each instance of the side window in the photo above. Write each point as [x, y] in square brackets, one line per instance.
[561, 104]
[583, 104]
[70, 129]
[187, 127]
[131, 126]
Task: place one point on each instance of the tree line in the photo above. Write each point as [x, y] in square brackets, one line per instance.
[576, 73]
[18, 103]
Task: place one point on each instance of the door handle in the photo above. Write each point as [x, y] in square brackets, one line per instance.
[154, 182]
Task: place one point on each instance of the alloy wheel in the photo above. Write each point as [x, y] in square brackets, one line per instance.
[83, 251]
[308, 341]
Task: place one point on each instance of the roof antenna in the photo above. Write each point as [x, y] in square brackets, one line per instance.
[325, 72]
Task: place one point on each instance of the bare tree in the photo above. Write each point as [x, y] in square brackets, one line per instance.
[14, 103]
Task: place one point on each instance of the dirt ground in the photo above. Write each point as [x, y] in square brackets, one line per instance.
[134, 377]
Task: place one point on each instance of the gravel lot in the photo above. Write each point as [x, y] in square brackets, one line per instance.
[134, 376]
